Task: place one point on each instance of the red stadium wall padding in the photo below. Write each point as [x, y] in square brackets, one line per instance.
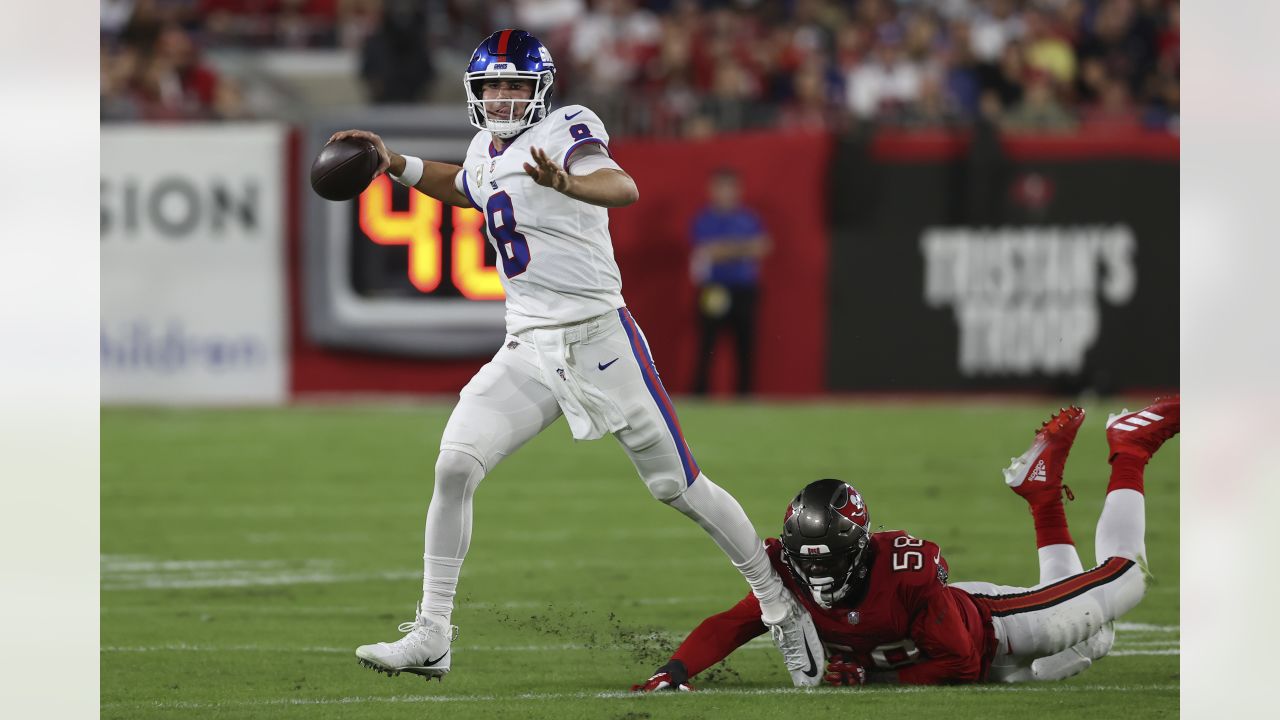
[784, 179]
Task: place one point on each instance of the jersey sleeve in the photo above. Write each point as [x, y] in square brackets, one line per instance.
[572, 128]
[939, 627]
[462, 181]
[588, 158]
[720, 634]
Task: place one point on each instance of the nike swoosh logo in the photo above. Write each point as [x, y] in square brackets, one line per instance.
[429, 663]
[937, 559]
[813, 666]
[605, 366]
[570, 117]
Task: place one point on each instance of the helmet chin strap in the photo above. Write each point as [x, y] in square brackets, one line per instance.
[512, 129]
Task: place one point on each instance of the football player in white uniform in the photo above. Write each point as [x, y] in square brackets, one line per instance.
[543, 180]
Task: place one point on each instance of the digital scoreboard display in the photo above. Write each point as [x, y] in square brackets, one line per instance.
[407, 244]
[397, 271]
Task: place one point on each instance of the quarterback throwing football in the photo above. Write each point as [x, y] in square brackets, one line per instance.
[886, 612]
[544, 180]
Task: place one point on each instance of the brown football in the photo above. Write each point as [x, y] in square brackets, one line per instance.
[344, 169]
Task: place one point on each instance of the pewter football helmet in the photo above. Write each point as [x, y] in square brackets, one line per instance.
[825, 535]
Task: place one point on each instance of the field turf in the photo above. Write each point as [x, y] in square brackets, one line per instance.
[246, 553]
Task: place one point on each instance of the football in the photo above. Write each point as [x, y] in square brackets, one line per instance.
[344, 168]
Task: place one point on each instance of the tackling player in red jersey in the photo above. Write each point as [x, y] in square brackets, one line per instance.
[883, 606]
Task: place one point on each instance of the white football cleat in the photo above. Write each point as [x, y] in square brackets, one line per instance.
[797, 639]
[424, 650]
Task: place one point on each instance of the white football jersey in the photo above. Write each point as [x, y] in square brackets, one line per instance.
[555, 256]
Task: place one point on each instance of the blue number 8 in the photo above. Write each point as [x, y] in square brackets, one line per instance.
[580, 131]
[513, 247]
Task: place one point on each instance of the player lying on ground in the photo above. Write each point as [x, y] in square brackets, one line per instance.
[544, 181]
[882, 604]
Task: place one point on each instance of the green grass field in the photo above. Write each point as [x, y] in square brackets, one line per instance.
[247, 553]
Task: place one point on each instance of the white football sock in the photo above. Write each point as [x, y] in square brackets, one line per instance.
[1058, 561]
[717, 512]
[448, 533]
[1122, 526]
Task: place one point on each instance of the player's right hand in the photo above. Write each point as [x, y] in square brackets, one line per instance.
[384, 157]
[842, 671]
[662, 681]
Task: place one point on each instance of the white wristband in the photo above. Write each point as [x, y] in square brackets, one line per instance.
[412, 172]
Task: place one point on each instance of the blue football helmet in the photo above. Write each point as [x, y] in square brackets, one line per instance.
[509, 54]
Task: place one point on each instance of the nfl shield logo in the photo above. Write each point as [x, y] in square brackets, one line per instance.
[854, 617]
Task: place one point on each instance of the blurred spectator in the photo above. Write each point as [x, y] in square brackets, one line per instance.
[961, 77]
[1169, 41]
[396, 62]
[1092, 79]
[171, 82]
[306, 23]
[698, 66]
[729, 103]
[1047, 50]
[143, 27]
[118, 69]
[1113, 113]
[239, 22]
[114, 15]
[1163, 112]
[887, 81]
[995, 26]
[611, 44]
[1126, 46]
[853, 44]
[811, 107]
[1007, 78]
[542, 16]
[728, 242]
[934, 109]
[1040, 109]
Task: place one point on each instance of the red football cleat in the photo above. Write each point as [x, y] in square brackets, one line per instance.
[1037, 474]
[1142, 433]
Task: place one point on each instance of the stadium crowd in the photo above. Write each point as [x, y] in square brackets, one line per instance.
[694, 67]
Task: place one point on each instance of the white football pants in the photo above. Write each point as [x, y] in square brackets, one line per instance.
[1055, 629]
[600, 374]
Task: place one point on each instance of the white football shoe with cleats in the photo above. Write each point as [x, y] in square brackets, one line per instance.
[797, 639]
[424, 650]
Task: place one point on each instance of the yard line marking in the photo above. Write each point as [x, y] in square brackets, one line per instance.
[1144, 627]
[127, 564]
[163, 582]
[207, 608]
[755, 644]
[187, 647]
[637, 697]
[138, 574]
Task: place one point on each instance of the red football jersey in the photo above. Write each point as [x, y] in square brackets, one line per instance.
[909, 621]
